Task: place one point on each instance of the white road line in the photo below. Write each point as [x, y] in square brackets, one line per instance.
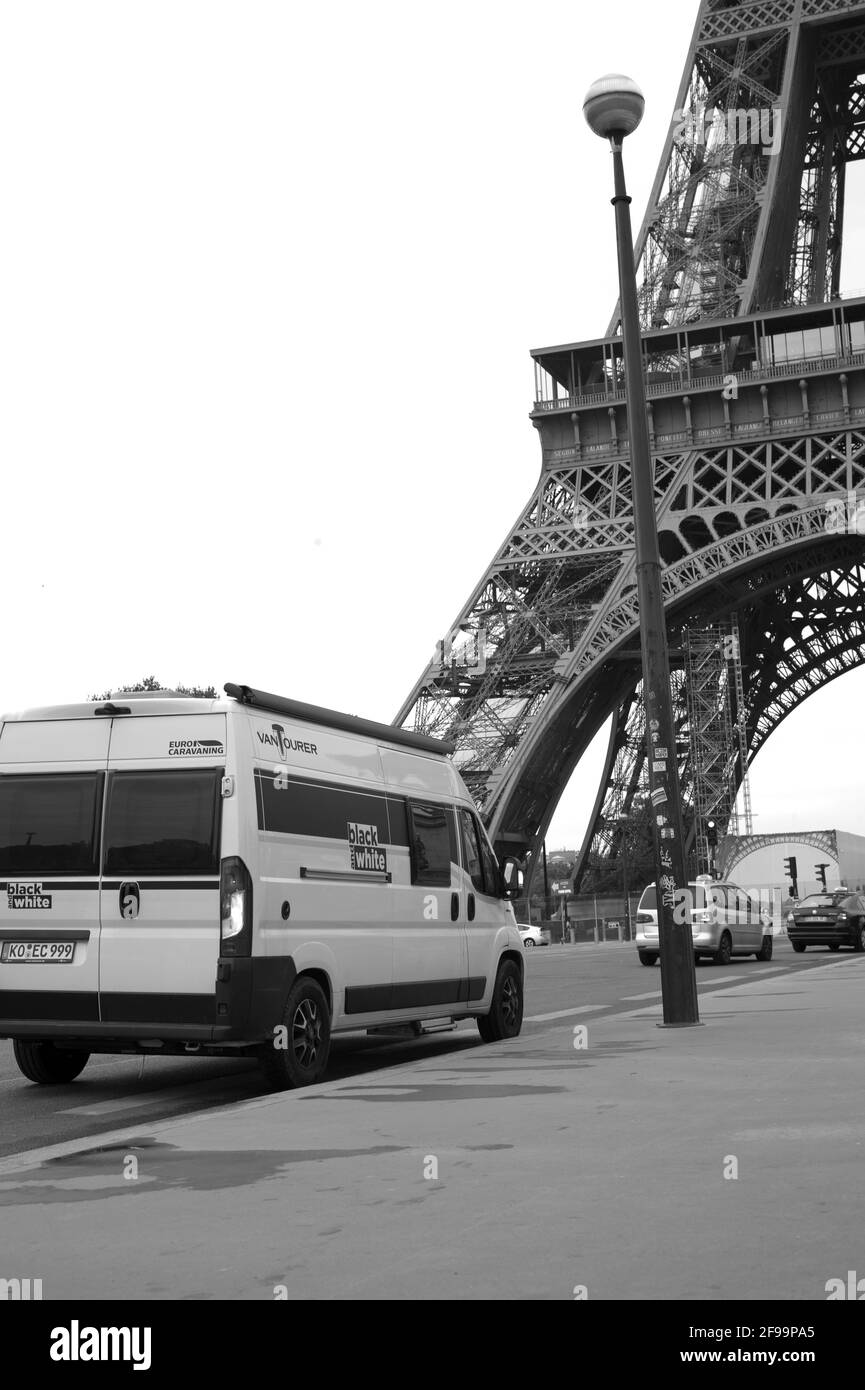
[566, 1013]
[108, 1107]
[656, 993]
[167, 1095]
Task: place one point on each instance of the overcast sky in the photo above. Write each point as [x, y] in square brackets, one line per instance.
[271, 273]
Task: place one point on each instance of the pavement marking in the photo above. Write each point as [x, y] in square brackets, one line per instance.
[656, 993]
[565, 1013]
[84, 1144]
[166, 1095]
[107, 1107]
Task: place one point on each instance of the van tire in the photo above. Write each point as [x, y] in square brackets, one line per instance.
[798, 946]
[647, 957]
[765, 951]
[724, 953]
[306, 1019]
[48, 1065]
[505, 1017]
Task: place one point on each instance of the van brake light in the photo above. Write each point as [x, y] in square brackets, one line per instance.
[235, 898]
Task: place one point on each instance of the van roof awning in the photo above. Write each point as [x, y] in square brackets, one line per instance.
[333, 719]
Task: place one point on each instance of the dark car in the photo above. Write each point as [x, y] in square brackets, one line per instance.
[832, 919]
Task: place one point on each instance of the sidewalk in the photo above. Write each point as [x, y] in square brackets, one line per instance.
[602, 1167]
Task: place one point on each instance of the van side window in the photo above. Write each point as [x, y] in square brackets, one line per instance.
[492, 875]
[430, 836]
[163, 822]
[471, 850]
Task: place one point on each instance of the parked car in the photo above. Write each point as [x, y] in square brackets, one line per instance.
[725, 922]
[832, 919]
[531, 935]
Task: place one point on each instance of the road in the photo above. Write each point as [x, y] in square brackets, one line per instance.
[583, 982]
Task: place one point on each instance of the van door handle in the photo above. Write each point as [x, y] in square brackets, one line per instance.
[471, 907]
[130, 900]
[455, 907]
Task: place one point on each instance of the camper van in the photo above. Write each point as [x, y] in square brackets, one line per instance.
[240, 876]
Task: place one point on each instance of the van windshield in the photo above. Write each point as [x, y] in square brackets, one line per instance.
[48, 824]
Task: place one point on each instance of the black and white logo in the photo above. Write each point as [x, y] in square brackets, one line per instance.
[366, 853]
[27, 895]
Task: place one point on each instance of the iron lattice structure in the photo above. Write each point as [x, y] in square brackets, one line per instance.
[734, 849]
[717, 736]
[756, 387]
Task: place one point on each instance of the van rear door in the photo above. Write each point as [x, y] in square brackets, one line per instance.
[160, 888]
[52, 776]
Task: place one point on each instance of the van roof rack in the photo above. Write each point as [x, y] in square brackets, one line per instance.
[349, 723]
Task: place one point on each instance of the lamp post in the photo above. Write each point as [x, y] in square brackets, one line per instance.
[614, 108]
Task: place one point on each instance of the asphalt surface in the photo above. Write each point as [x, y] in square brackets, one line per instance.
[625, 1161]
[562, 982]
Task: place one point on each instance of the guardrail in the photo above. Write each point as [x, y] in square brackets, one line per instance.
[715, 381]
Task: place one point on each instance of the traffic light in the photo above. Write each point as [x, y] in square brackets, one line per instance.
[820, 871]
[712, 833]
[792, 872]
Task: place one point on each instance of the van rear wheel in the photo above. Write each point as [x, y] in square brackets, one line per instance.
[505, 1017]
[299, 1052]
[48, 1065]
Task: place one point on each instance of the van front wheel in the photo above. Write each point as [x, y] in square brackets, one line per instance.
[48, 1065]
[299, 1052]
[505, 1017]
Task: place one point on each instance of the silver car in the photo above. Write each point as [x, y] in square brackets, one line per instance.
[725, 922]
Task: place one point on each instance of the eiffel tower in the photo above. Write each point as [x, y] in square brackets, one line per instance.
[755, 375]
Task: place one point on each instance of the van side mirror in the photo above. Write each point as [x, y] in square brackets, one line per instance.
[512, 878]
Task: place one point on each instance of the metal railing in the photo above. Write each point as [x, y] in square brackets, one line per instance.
[714, 381]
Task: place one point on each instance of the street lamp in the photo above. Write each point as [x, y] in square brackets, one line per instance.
[614, 108]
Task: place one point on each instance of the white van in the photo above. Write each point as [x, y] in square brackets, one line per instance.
[239, 876]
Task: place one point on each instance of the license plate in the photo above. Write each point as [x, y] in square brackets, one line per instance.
[38, 952]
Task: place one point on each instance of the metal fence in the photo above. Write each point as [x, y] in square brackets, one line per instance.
[583, 918]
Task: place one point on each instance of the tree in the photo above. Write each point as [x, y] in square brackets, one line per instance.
[151, 683]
